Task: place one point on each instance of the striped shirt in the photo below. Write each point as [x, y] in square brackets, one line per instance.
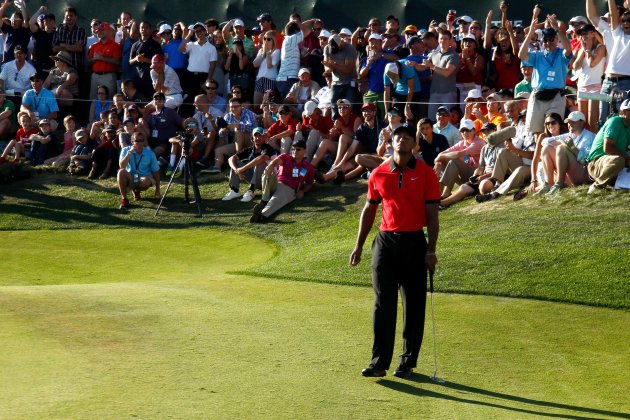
[247, 120]
[74, 36]
[290, 57]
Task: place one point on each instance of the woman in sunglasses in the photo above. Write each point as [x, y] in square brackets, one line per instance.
[266, 62]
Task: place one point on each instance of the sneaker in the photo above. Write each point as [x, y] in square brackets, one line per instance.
[555, 188]
[594, 188]
[211, 170]
[257, 216]
[178, 173]
[231, 195]
[203, 162]
[482, 198]
[169, 171]
[124, 204]
[136, 194]
[248, 196]
[339, 178]
[545, 189]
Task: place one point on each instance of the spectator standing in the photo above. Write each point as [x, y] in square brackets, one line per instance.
[17, 32]
[202, 59]
[140, 57]
[70, 38]
[443, 62]
[590, 62]
[339, 58]
[295, 32]
[105, 57]
[43, 28]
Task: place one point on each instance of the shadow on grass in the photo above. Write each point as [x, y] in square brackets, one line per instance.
[411, 388]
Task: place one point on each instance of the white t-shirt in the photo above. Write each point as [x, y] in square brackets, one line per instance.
[264, 71]
[290, 57]
[200, 56]
[618, 46]
[171, 81]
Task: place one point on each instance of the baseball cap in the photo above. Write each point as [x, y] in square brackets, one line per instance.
[324, 33]
[522, 95]
[411, 28]
[585, 29]
[132, 107]
[413, 40]
[343, 102]
[164, 28]
[335, 38]
[258, 130]
[264, 17]
[109, 127]
[37, 76]
[284, 109]
[473, 94]
[345, 31]
[548, 33]
[238, 22]
[104, 26]
[80, 133]
[578, 19]
[394, 111]
[378, 37]
[129, 120]
[368, 105]
[299, 143]
[467, 124]
[625, 105]
[494, 96]
[157, 59]
[443, 109]
[44, 121]
[199, 24]
[469, 37]
[465, 19]
[575, 116]
[309, 108]
[19, 48]
[303, 70]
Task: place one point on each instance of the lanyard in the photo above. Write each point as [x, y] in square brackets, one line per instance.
[137, 162]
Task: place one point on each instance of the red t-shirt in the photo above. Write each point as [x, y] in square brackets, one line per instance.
[109, 49]
[278, 127]
[22, 136]
[293, 174]
[323, 124]
[403, 194]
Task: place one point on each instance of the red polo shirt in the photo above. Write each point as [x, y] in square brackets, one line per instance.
[110, 49]
[404, 194]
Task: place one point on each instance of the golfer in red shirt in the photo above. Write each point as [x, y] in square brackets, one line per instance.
[410, 193]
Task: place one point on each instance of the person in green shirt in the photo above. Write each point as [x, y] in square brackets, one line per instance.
[610, 152]
[524, 85]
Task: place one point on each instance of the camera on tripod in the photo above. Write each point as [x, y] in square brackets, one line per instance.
[186, 138]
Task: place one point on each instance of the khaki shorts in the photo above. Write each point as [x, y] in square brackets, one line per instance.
[536, 111]
[142, 178]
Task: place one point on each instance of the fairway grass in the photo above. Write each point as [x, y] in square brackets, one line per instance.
[207, 344]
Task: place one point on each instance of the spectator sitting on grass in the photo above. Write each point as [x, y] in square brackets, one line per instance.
[444, 127]
[139, 170]
[457, 163]
[431, 143]
[554, 126]
[22, 140]
[566, 154]
[163, 123]
[286, 177]
[249, 165]
[280, 134]
[481, 181]
[40, 101]
[81, 154]
[105, 154]
[314, 128]
[7, 115]
[610, 152]
[44, 144]
[62, 160]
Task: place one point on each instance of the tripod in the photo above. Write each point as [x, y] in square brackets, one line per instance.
[189, 175]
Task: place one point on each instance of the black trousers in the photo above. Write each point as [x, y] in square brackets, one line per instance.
[398, 263]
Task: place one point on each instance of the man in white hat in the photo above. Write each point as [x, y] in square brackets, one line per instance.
[302, 91]
[339, 59]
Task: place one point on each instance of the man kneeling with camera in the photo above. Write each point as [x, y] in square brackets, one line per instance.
[139, 170]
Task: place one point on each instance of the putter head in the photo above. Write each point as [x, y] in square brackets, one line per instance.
[436, 379]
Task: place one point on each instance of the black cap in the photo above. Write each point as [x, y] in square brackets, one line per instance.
[285, 109]
[37, 76]
[413, 40]
[489, 126]
[264, 17]
[19, 48]
[585, 29]
[299, 143]
[549, 33]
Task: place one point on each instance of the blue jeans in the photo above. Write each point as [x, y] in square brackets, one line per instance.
[285, 86]
[607, 87]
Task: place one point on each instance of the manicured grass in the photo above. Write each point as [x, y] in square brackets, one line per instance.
[570, 248]
[234, 346]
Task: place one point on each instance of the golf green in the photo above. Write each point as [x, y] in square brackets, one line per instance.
[183, 338]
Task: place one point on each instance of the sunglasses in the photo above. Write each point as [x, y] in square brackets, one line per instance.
[211, 88]
[297, 148]
[268, 39]
[464, 130]
[441, 114]
[138, 140]
[552, 122]
[475, 27]
[343, 106]
[626, 20]
[317, 29]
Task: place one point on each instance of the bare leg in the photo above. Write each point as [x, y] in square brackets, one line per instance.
[548, 157]
[325, 147]
[463, 192]
[562, 163]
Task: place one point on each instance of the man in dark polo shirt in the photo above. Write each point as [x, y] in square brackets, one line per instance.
[410, 193]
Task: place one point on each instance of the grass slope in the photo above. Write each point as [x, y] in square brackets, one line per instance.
[569, 248]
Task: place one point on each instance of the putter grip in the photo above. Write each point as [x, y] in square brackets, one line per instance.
[431, 281]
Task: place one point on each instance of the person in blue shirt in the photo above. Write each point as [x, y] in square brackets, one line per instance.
[550, 67]
[373, 67]
[40, 101]
[402, 85]
[139, 170]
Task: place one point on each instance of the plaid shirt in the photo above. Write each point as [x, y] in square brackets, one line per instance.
[247, 120]
[74, 36]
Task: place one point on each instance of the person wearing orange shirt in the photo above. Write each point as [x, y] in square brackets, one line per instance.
[104, 56]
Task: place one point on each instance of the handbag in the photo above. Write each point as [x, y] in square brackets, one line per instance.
[546, 95]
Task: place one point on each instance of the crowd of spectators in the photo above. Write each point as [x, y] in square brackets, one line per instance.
[497, 105]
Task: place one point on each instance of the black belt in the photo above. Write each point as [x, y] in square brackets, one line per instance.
[100, 73]
[617, 78]
[197, 73]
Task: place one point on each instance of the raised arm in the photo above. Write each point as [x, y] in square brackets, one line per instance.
[591, 12]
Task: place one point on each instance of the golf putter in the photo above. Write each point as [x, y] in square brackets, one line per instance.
[434, 378]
